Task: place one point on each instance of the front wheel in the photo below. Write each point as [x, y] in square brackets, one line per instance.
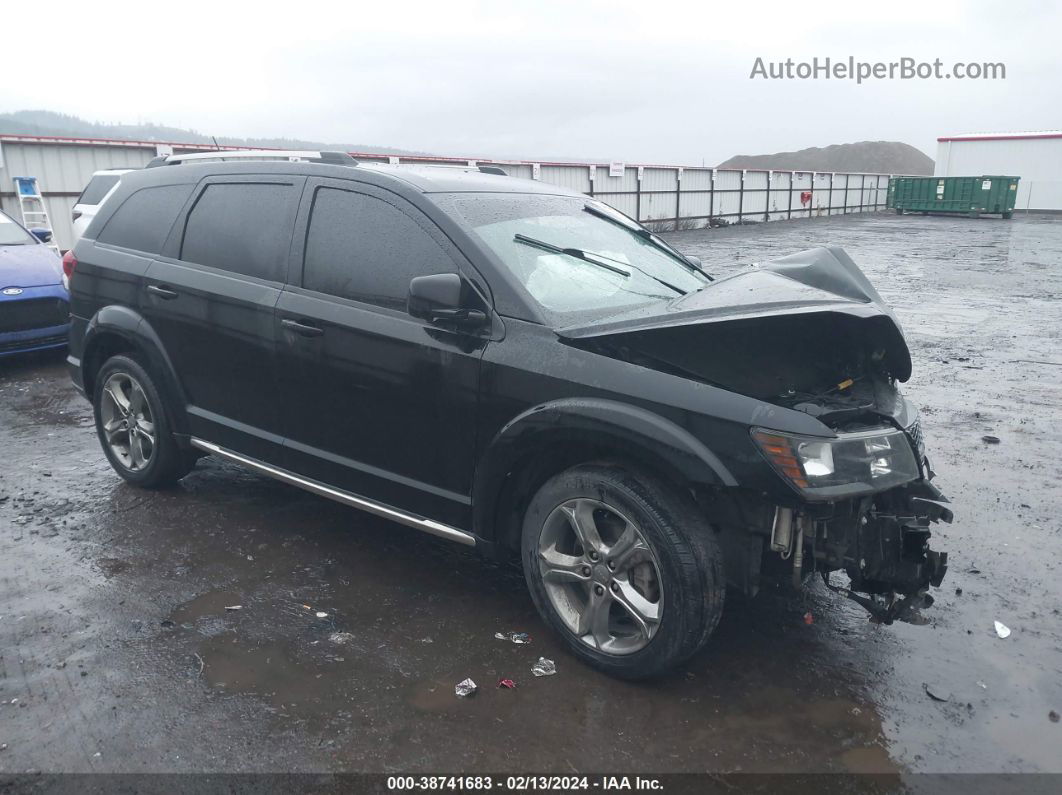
[623, 568]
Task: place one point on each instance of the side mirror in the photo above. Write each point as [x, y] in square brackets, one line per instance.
[694, 261]
[42, 234]
[441, 298]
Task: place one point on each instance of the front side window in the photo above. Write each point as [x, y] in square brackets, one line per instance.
[366, 249]
[11, 234]
[144, 219]
[576, 256]
[242, 227]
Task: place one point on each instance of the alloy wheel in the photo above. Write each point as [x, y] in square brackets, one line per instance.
[601, 576]
[127, 423]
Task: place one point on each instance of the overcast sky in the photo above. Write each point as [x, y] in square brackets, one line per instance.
[649, 81]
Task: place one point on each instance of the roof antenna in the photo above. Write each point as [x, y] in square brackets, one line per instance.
[214, 138]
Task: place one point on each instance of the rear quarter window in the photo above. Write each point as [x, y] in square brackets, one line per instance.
[97, 188]
[145, 218]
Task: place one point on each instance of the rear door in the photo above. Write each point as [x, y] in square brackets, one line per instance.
[375, 401]
[211, 302]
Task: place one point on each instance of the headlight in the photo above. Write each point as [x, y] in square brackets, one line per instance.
[849, 465]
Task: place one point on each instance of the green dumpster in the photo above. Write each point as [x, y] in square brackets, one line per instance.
[973, 196]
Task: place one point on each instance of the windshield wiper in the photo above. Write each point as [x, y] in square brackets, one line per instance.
[645, 235]
[595, 259]
[577, 253]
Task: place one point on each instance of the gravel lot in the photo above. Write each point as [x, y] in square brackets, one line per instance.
[117, 652]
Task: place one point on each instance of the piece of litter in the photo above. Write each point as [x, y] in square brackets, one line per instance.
[234, 607]
[307, 607]
[508, 684]
[808, 618]
[464, 688]
[322, 614]
[544, 667]
[341, 638]
[935, 694]
[857, 711]
[1051, 716]
[97, 755]
[3, 746]
[990, 439]
[518, 638]
[982, 685]
[1002, 629]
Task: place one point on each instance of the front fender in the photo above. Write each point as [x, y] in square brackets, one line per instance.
[134, 331]
[622, 429]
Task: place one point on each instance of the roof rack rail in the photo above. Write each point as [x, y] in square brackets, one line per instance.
[494, 170]
[292, 155]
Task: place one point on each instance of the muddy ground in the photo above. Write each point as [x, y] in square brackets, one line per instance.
[117, 652]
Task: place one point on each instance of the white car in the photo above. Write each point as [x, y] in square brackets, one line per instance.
[102, 185]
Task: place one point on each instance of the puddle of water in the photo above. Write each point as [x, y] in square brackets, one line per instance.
[208, 604]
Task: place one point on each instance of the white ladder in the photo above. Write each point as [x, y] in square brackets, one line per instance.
[34, 210]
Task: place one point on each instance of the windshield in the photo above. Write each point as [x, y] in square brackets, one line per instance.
[570, 258]
[11, 234]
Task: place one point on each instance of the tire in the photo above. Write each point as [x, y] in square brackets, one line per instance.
[673, 578]
[124, 431]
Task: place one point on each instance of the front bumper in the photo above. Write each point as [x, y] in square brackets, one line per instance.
[35, 319]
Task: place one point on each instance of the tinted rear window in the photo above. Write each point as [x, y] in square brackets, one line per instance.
[243, 227]
[145, 218]
[366, 249]
[97, 188]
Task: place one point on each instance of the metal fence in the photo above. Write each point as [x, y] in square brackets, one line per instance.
[678, 197]
[662, 197]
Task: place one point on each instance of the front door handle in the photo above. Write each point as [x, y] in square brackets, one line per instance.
[162, 292]
[302, 328]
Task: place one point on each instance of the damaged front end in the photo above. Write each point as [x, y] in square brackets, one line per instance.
[881, 542]
[807, 333]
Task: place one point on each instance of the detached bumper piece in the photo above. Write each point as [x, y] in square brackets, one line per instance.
[891, 559]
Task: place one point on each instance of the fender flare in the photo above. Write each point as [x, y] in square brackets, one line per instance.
[622, 427]
[131, 326]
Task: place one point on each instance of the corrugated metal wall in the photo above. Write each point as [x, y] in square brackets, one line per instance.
[664, 197]
[62, 171]
[1038, 161]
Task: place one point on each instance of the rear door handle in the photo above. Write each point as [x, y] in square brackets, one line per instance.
[302, 328]
[162, 292]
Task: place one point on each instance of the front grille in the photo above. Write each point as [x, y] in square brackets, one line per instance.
[33, 313]
[39, 342]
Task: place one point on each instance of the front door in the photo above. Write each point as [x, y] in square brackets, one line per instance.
[375, 402]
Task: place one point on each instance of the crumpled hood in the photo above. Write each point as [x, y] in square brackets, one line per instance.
[29, 266]
[819, 280]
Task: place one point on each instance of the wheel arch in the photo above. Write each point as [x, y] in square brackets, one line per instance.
[115, 330]
[555, 436]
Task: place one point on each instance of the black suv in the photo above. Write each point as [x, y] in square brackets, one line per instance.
[518, 368]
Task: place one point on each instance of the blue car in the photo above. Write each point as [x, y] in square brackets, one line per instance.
[34, 301]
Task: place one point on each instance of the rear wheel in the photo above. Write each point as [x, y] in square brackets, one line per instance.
[623, 568]
[133, 427]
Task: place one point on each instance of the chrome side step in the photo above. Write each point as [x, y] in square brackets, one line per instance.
[345, 497]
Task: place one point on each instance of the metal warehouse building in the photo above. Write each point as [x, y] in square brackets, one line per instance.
[662, 197]
[1036, 157]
